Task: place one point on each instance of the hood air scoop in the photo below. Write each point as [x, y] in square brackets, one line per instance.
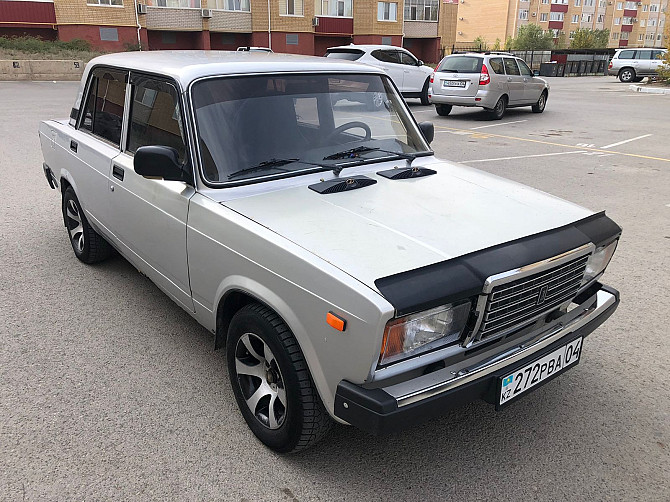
[342, 184]
[406, 173]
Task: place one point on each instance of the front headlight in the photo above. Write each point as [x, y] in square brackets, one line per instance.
[417, 333]
[599, 261]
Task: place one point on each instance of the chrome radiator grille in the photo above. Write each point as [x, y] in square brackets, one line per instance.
[520, 302]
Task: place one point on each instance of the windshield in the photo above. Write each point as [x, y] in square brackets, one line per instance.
[271, 126]
[461, 64]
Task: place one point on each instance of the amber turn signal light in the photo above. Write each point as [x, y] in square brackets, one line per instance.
[336, 322]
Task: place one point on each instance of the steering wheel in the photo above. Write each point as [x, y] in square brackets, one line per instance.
[349, 125]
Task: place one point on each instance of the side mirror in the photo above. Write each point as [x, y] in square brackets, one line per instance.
[158, 162]
[428, 131]
[419, 63]
[536, 73]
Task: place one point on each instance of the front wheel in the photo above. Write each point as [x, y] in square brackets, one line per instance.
[627, 75]
[498, 110]
[424, 93]
[271, 381]
[87, 244]
[443, 110]
[541, 103]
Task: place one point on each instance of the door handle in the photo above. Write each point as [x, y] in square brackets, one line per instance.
[118, 173]
[74, 145]
[509, 79]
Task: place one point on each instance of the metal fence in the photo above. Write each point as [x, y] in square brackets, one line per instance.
[555, 63]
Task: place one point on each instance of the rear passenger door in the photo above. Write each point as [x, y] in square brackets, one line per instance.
[515, 83]
[149, 215]
[642, 62]
[96, 141]
[389, 61]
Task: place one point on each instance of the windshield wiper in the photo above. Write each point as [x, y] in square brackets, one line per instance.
[271, 164]
[355, 153]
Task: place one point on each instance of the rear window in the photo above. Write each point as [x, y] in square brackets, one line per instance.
[461, 64]
[349, 54]
[626, 55]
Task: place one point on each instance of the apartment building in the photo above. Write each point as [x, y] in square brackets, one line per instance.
[292, 26]
[638, 23]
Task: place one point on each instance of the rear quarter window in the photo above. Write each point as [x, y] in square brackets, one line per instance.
[496, 65]
[461, 64]
[626, 55]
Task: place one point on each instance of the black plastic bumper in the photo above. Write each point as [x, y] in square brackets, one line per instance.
[377, 412]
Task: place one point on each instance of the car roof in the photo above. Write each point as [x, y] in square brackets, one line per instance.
[368, 47]
[186, 66]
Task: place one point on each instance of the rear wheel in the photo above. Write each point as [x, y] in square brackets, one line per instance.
[627, 75]
[443, 110]
[271, 381]
[424, 93]
[87, 244]
[541, 103]
[498, 110]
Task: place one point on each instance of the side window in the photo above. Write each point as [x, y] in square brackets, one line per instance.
[103, 114]
[525, 71]
[658, 55]
[155, 118]
[386, 56]
[626, 55]
[643, 54]
[497, 65]
[407, 59]
[510, 67]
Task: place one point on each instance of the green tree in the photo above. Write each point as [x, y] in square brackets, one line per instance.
[480, 43]
[509, 42]
[497, 45]
[664, 69]
[532, 38]
[586, 38]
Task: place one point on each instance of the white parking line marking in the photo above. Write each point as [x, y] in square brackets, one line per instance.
[498, 124]
[586, 145]
[625, 141]
[524, 156]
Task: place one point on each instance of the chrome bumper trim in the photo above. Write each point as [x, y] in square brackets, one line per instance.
[604, 300]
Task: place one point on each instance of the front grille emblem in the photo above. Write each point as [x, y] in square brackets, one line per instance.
[542, 296]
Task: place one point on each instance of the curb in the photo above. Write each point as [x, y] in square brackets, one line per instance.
[649, 90]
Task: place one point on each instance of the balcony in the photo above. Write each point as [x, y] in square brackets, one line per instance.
[555, 7]
[629, 13]
[169, 18]
[555, 25]
[335, 25]
[27, 14]
[230, 21]
[627, 27]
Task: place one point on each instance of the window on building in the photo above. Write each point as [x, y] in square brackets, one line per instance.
[652, 22]
[240, 5]
[587, 18]
[640, 37]
[627, 20]
[615, 36]
[624, 35]
[103, 112]
[619, 6]
[556, 16]
[602, 4]
[631, 5]
[572, 35]
[387, 11]
[421, 10]
[653, 7]
[292, 39]
[543, 17]
[575, 18]
[333, 8]
[642, 22]
[617, 21]
[561, 2]
[601, 18]
[578, 3]
[291, 7]
[645, 8]
[545, 1]
[658, 37]
[523, 14]
[589, 3]
[154, 116]
[175, 4]
[105, 2]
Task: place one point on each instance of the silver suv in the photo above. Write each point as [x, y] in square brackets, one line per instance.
[632, 65]
[493, 81]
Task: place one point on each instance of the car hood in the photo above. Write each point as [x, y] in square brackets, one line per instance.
[399, 225]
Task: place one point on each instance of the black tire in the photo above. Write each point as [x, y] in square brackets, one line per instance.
[627, 75]
[498, 110]
[302, 420]
[87, 244]
[638, 79]
[443, 110]
[541, 103]
[424, 93]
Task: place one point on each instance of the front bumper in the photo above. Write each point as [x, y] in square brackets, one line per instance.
[378, 411]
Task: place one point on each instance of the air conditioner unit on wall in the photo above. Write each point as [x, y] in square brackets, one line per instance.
[206, 13]
[141, 8]
[534, 14]
[315, 21]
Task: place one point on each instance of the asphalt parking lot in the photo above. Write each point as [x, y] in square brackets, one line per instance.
[108, 390]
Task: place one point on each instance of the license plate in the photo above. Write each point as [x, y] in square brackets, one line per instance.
[523, 379]
[453, 83]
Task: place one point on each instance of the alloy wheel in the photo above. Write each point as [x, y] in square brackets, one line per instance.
[74, 225]
[260, 380]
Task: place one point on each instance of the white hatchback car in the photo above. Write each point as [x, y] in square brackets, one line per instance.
[408, 73]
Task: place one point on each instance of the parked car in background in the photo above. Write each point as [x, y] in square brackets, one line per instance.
[350, 274]
[408, 73]
[493, 81]
[632, 65]
[254, 49]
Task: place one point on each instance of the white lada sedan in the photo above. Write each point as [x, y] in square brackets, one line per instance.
[350, 274]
